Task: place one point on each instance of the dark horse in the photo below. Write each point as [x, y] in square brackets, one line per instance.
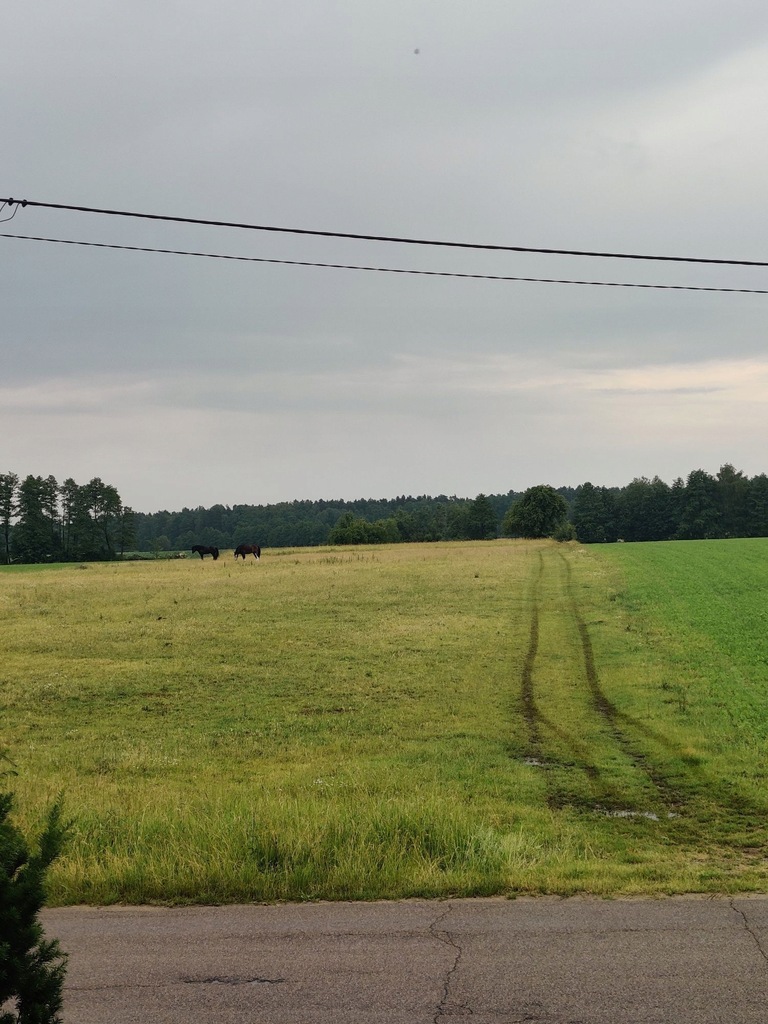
[247, 549]
[203, 551]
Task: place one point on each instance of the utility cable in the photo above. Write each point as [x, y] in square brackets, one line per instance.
[386, 238]
[5, 220]
[388, 270]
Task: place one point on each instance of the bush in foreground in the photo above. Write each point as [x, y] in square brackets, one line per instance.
[31, 967]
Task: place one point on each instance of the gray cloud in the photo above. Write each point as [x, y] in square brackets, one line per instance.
[597, 126]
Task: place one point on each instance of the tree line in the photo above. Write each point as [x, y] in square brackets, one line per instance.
[703, 507]
[310, 523]
[42, 521]
[728, 504]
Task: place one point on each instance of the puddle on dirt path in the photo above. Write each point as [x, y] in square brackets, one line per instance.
[649, 815]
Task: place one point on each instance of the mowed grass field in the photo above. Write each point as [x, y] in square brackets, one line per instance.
[413, 720]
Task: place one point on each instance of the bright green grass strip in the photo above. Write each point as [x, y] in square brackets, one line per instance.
[696, 613]
[710, 599]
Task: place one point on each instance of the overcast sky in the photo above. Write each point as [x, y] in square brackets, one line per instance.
[186, 381]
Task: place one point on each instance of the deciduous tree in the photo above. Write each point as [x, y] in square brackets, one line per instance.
[538, 513]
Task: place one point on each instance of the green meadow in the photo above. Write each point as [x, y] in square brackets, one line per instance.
[480, 718]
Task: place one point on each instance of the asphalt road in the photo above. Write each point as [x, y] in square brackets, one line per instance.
[548, 961]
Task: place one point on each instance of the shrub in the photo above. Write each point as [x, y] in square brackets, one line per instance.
[31, 967]
[564, 532]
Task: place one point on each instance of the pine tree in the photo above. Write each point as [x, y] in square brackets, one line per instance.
[9, 484]
[36, 536]
[31, 967]
[482, 524]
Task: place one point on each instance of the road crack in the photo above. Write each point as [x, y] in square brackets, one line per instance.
[218, 979]
[447, 1008]
[748, 928]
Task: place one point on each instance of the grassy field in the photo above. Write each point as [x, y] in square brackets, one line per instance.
[498, 717]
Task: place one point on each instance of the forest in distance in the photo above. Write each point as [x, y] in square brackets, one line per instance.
[42, 521]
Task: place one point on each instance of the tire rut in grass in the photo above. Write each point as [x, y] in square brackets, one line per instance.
[672, 791]
[733, 817]
[578, 758]
[736, 810]
[671, 797]
[530, 711]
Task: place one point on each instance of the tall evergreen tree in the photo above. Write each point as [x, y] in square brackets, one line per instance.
[125, 532]
[700, 516]
[732, 493]
[757, 506]
[481, 521]
[594, 515]
[106, 511]
[74, 517]
[36, 535]
[9, 483]
[646, 510]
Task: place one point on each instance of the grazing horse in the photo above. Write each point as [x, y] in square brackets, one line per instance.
[203, 551]
[247, 549]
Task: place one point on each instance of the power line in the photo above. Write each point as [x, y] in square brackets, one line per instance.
[6, 219]
[388, 270]
[384, 238]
